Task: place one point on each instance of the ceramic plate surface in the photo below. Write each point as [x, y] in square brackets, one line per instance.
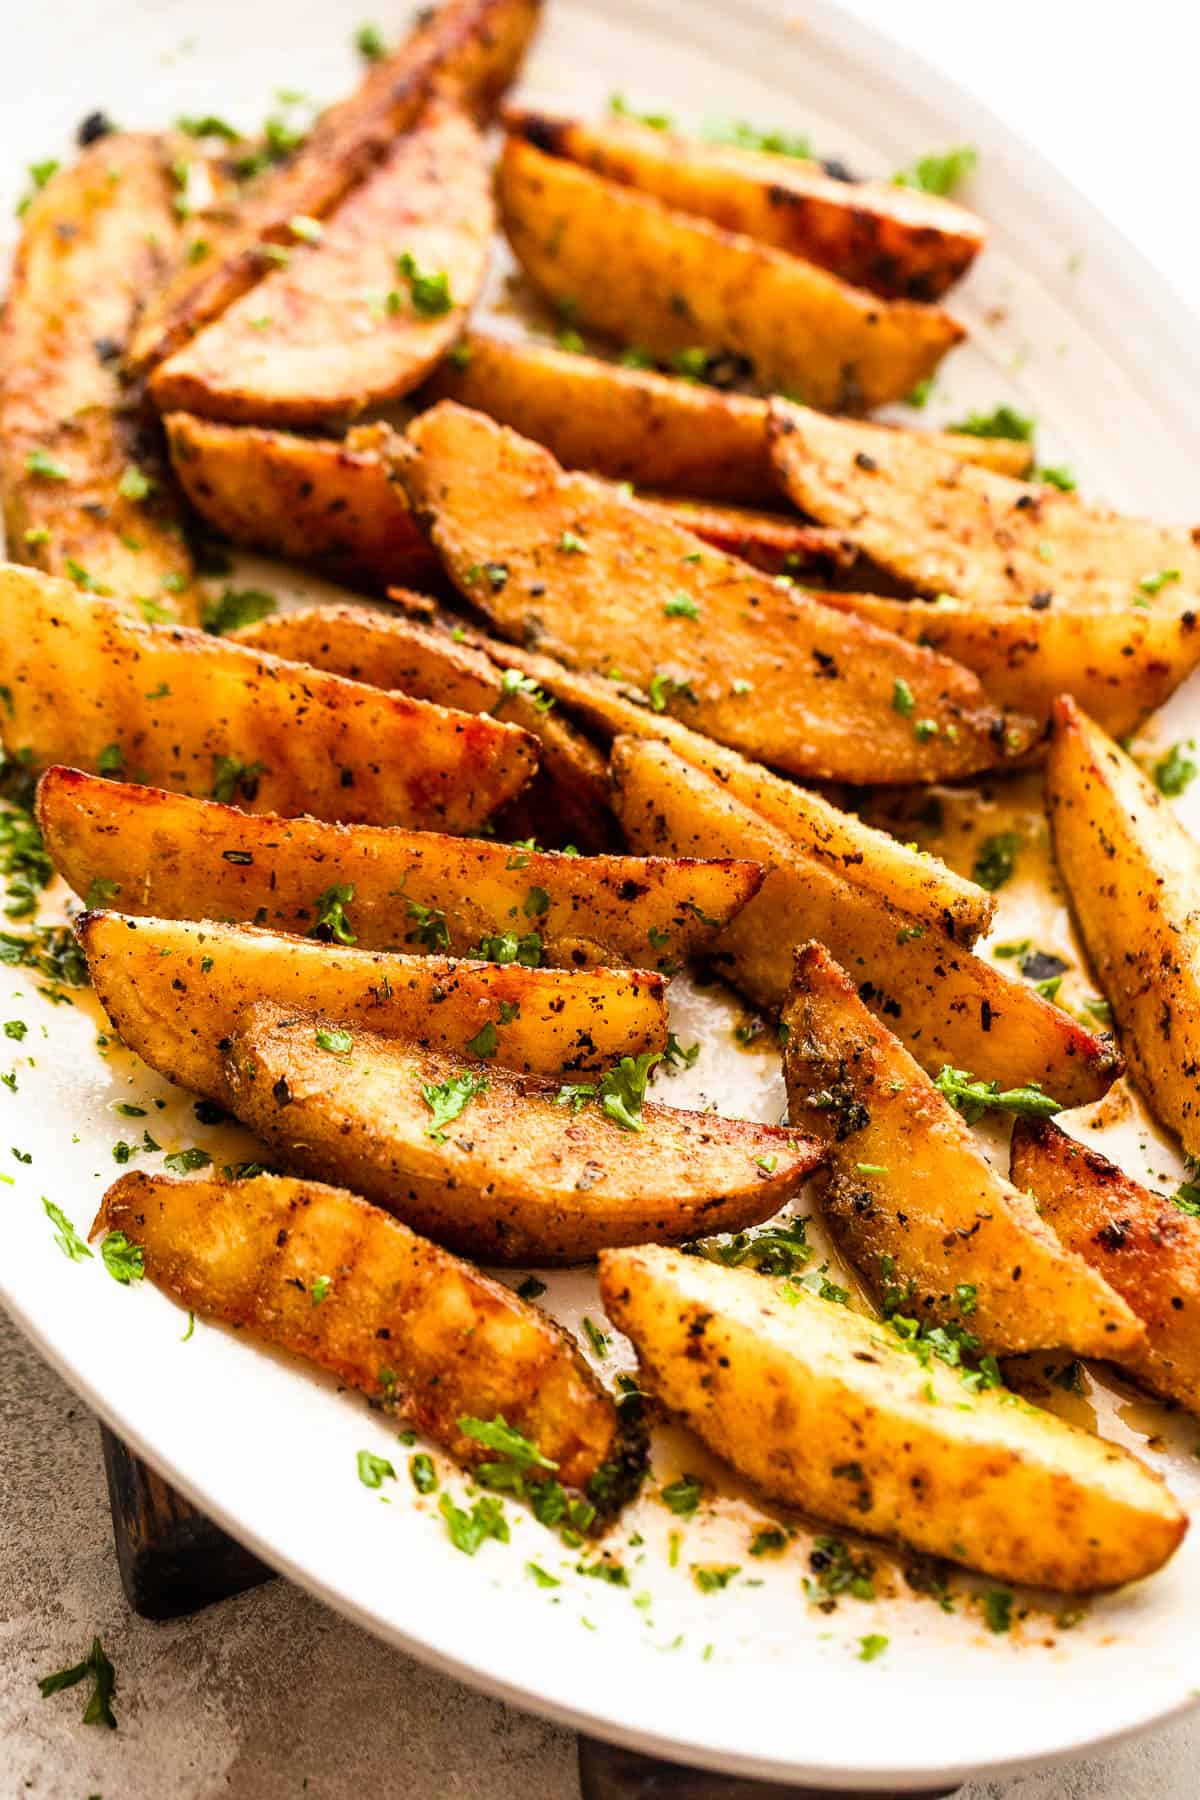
[1067, 324]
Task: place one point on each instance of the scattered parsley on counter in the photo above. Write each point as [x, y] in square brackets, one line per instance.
[96, 1664]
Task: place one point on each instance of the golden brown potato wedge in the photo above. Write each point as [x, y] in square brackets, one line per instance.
[1146, 1248]
[564, 564]
[637, 271]
[88, 687]
[533, 1173]
[325, 501]
[897, 241]
[777, 543]
[174, 991]
[1133, 875]
[945, 527]
[1119, 665]
[425, 1336]
[947, 1005]
[470, 49]
[84, 488]
[361, 315]
[935, 1232]
[407, 890]
[827, 1411]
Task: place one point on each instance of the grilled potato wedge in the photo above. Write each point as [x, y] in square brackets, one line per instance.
[911, 1199]
[325, 501]
[1119, 666]
[341, 326]
[90, 688]
[526, 1176]
[470, 49]
[564, 564]
[945, 1004]
[827, 1411]
[174, 991]
[410, 890]
[1146, 1248]
[1133, 874]
[84, 489]
[425, 1336]
[642, 273]
[897, 241]
[945, 527]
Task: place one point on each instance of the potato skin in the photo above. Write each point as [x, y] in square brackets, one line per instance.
[96, 690]
[1133, 874]
[911, 1198]
[945, 1004]
[518, 1178]
[419, 1332]
[1144, 1246]
[94, 242]
[174, 991]
[824, 1410]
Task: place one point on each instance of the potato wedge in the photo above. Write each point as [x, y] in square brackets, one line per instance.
[774, 542]
[363, 314]
[1146, 1248]
[932, 1228]
[637, 425]
[325, 501]
[1119, 665]
[945, 1004]
[470, 49]
[565, 565]
[897, 241]
[527, 1176]
[425, 1336]
[827, 1411]
[85, 492]
[1133, 874]
[88, 687]
[641, 273]
[945, 527]
[408, 890]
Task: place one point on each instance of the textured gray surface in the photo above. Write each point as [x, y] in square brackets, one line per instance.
[271, 1696]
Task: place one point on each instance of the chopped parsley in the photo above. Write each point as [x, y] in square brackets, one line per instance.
[871, 1646]
[1174, 772]
[508, 947]
[422, 1473]
[1056, 477]
[997, 860]
[514, 682]
[710, 1578]
[1001, 422]
[66, 1236]
[233, 778]
[598, 1339]
[183, 1162]
[124, 1261]
[743, 136]
[332, 925]
[507, 1442]
[235, 608]
[449, 1100]
[430, 928]
[682, 1497]
[372, 1469]
[95, 1664]
[973, 1097]
[997, 1609]
[334, 1039]
[681, 606]
[369, 43]
[485, 1043]
[468, 1530]
[430, 293]
[780, 1248]
[319, 1289]
[1154, 584]
[39, 174]
[836, 1571]
[134, 484]
[939, 173]
[619, 106]
[903, 700]
[40, 462]
[620, 1093]
[663, 688]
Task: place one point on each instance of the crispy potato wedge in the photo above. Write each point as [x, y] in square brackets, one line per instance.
[642, 273]
[340, 326]
[827, 1411]
[1119, 665]
[84, 488]
[562, 563]
[774, 542]
[91, 688]
[423, 1335]
[1133, 875]
[470, 49]
[408, 890]
[1145, 1247]
[325, 501]
[946, 527]
[527, 1176]
[897, 241]
[913, 1201]
[174, 991]
[945, 1004]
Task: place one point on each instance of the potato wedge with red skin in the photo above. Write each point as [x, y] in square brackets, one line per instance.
[518, 1175]
[422, 1334]
[470, 49]
[1146, 1248]
[174, 990]
[825, 1410]
[95, 690]
[564, 564]
[911, 1198]
[338, 328]
[412, 890]
[1133, 876]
